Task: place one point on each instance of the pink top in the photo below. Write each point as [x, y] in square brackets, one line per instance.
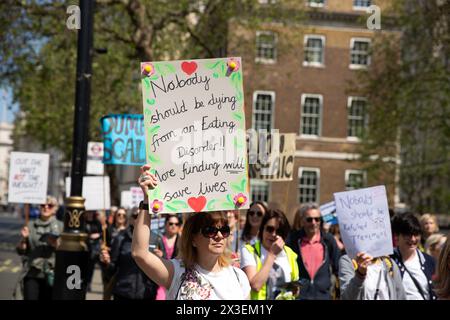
[169, 250]
[312, 254]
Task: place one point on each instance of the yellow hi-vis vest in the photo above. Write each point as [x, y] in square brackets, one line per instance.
[256, 251]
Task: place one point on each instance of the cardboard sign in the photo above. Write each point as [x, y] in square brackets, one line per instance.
[28, 177]
[123, 139]
[137, 195]
[364, 221]
[94, 163]
[195, 134]
[271, 155]
[96, 191]
[328, 212]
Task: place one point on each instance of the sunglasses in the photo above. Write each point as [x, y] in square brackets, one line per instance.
[252, 213]
[134, 216]
[174, 224]
[121, 214]
[211, 232]
[50, 205]
[316, 219]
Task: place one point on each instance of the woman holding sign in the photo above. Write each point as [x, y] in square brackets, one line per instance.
[203, 271]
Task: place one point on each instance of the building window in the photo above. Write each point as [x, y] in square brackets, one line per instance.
[259, 190]
[316, 3]
[361, 4]
[314, 50]
[267, 1]
[263, 105]
[311, 114]
[266, 46]
[357, 117]
[359, 53]
[308, 185]
[354, 179]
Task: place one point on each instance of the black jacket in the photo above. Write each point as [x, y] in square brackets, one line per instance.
[427, 265]
[319, 287]
[131, 282]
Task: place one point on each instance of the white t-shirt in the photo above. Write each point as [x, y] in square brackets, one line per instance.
[280, 273]
[413, 266]
[230, 283]
[374, 271]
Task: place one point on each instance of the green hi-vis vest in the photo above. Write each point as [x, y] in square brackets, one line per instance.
[256, 251]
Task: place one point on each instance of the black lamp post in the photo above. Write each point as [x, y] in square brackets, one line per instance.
[72, 253]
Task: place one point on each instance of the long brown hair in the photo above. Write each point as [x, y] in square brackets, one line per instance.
[443, 281]
[193, 225]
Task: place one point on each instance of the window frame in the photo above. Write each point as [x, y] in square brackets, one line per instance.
[305, 41]
[347, 174]
[317, 171]
[265, 60]
[302, 102]
[269, 188]
[361, 8]
[272, 115]
[350, 99]
[353, 66]
[315, 4]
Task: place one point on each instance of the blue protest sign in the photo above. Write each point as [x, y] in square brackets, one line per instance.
[123, 139]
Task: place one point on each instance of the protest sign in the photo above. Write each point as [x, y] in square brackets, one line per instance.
[94, 163]
[96, 191]
[328, 212]
[195, 134]
[271, 155]
[28, 177]
[137, 195]
[364, 221]
[123, 139]
[125, 199]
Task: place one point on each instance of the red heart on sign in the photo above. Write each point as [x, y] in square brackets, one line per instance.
[189, 67]
[197, 203]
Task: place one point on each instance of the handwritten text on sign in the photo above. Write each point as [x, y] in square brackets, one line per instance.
[124, 140]
[195, 134]
[364, 221]
[28, 177]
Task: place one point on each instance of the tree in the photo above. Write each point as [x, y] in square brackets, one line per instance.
[408, 87]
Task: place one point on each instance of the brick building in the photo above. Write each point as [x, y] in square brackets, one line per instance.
[296, 79]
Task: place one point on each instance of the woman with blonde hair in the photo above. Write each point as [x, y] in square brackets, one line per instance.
[443, 282]
[429, 226]
[434, 244]
[203, 270]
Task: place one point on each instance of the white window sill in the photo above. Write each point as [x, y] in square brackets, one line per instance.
[308, 136]
[313, 64]
[358, 67]
[315, 5]
[354, 139]
[360, 8]
[265, 61]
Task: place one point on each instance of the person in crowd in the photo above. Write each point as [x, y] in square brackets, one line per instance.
[269, 264]
[37, 247]
[443, 272]
[112, 214]
[130, 283]
[233, 239]
[434, 244]
[203, 271]
[255, 213]
[242, 220]
[119, 222]
[334, 230]
[416, 268]
[94, 231]
[318, 255]
[429, 226]
[167, 245]
[369, 278]
[297, 224]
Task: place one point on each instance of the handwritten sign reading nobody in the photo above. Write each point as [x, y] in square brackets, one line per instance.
[28, 177]
[364, 221]
[195, 134]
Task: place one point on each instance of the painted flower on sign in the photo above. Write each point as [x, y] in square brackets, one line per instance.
[157, 206]
[240, 199]
[147, 69]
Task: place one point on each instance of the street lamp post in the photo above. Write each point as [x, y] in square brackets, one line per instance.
[72, 253]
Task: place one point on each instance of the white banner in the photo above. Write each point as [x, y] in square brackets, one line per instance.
[96, 191]
[94, 163]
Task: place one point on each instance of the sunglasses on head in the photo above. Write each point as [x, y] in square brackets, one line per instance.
[252, 213]
[310, 219]
[211, 232]
[174, 224]
[50, 205]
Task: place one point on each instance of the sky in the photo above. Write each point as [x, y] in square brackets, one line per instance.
[7, 108]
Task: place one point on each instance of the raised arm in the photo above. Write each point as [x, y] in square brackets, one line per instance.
[158, 269]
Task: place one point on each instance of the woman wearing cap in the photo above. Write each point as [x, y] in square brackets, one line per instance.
[203, 270]
[37, 246]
